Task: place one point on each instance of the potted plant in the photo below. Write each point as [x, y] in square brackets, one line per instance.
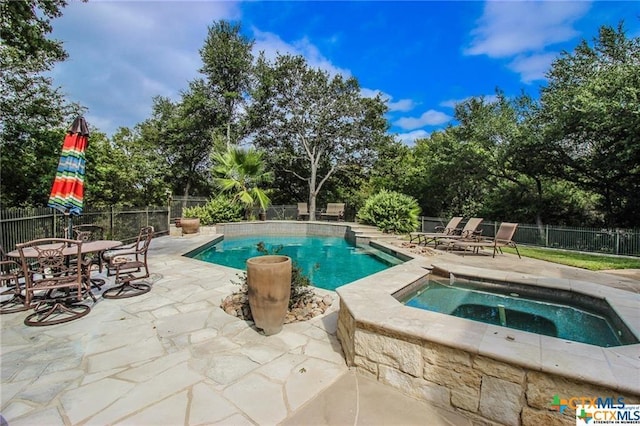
[269, 290]
[190, 220]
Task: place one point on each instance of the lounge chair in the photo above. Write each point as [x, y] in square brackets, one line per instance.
[470, 232]
[425, 237]
[334, 210]
[503, 238]
[303, 211]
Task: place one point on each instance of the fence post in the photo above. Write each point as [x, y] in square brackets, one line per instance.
[546, 236]
[617, 241]
[111, 221]
[55, 233]
[146, 211]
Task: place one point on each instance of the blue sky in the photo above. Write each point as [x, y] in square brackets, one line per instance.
[423, 56]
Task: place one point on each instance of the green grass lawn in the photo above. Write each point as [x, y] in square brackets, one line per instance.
[592, 262]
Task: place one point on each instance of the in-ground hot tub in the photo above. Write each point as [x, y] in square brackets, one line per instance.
[548, 311]
[487, 371]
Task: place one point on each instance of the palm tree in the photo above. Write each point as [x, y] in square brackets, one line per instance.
[242, 172]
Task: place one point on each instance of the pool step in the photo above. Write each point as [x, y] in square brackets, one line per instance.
[365, 233]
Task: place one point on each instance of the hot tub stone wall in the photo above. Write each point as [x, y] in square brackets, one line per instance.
[488, 391]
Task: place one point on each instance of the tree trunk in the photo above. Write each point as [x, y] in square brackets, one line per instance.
[187, 187]
[312, 192]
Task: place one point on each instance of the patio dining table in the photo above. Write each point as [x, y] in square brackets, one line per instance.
[87, 247]
[97, 246]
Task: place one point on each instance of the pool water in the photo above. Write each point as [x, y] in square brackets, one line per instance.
[329, 262]
[513, 311]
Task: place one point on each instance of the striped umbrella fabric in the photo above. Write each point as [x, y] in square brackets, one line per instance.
[68, 187]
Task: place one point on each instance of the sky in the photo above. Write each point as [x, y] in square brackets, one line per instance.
[423, 57]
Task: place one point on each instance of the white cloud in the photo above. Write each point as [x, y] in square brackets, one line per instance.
[411, 137]
[510, 28]
[451, 103]
[524, 30]
[402, 105]
[429, 118]
[532, 67]
[122, 54]
[272, 45]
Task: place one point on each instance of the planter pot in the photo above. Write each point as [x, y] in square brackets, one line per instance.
[190, 225]
[269, 282]
[262, 216]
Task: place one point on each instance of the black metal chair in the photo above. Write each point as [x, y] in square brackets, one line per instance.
[129, 264]
[11, 277]
[54, 280]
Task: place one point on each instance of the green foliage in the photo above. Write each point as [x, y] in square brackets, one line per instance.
[391, 212]
[313, 125]
[241, 173]
[33, 114]
[182, 135]
[592, 262]
[220, 209]
[591, 109]
[227, 65]
[124, 171]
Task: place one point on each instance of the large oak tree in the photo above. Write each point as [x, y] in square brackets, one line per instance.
[314, 125]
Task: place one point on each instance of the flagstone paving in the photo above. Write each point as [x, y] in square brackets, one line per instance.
[172, 356]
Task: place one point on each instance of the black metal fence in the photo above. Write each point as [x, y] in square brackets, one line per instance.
[625, 242]
[24, 224]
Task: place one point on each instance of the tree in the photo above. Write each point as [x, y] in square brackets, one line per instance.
[184, 135]
[314, 125]
[227, 62]
[242, 172]
[32, 113]
[590, 107]
[446, 175]
[125, 171]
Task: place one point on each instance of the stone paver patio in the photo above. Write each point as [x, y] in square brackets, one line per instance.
[172, 356]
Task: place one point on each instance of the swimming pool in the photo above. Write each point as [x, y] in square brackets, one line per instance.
[330, 262]
[585, 321]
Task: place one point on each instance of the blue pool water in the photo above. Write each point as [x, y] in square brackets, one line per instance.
[510, 310]
[329, 262]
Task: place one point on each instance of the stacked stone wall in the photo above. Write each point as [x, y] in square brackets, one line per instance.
[486, 390]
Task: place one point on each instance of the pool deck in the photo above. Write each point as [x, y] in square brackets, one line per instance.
[172, 356]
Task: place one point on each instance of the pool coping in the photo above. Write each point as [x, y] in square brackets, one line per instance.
[372, 305]
[371, 302]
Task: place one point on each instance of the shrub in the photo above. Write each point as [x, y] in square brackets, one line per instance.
[217, 210]
[391, 212]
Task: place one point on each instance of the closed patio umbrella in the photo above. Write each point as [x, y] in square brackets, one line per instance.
[68, 187]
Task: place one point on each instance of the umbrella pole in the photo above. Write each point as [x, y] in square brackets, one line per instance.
[69, 226]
